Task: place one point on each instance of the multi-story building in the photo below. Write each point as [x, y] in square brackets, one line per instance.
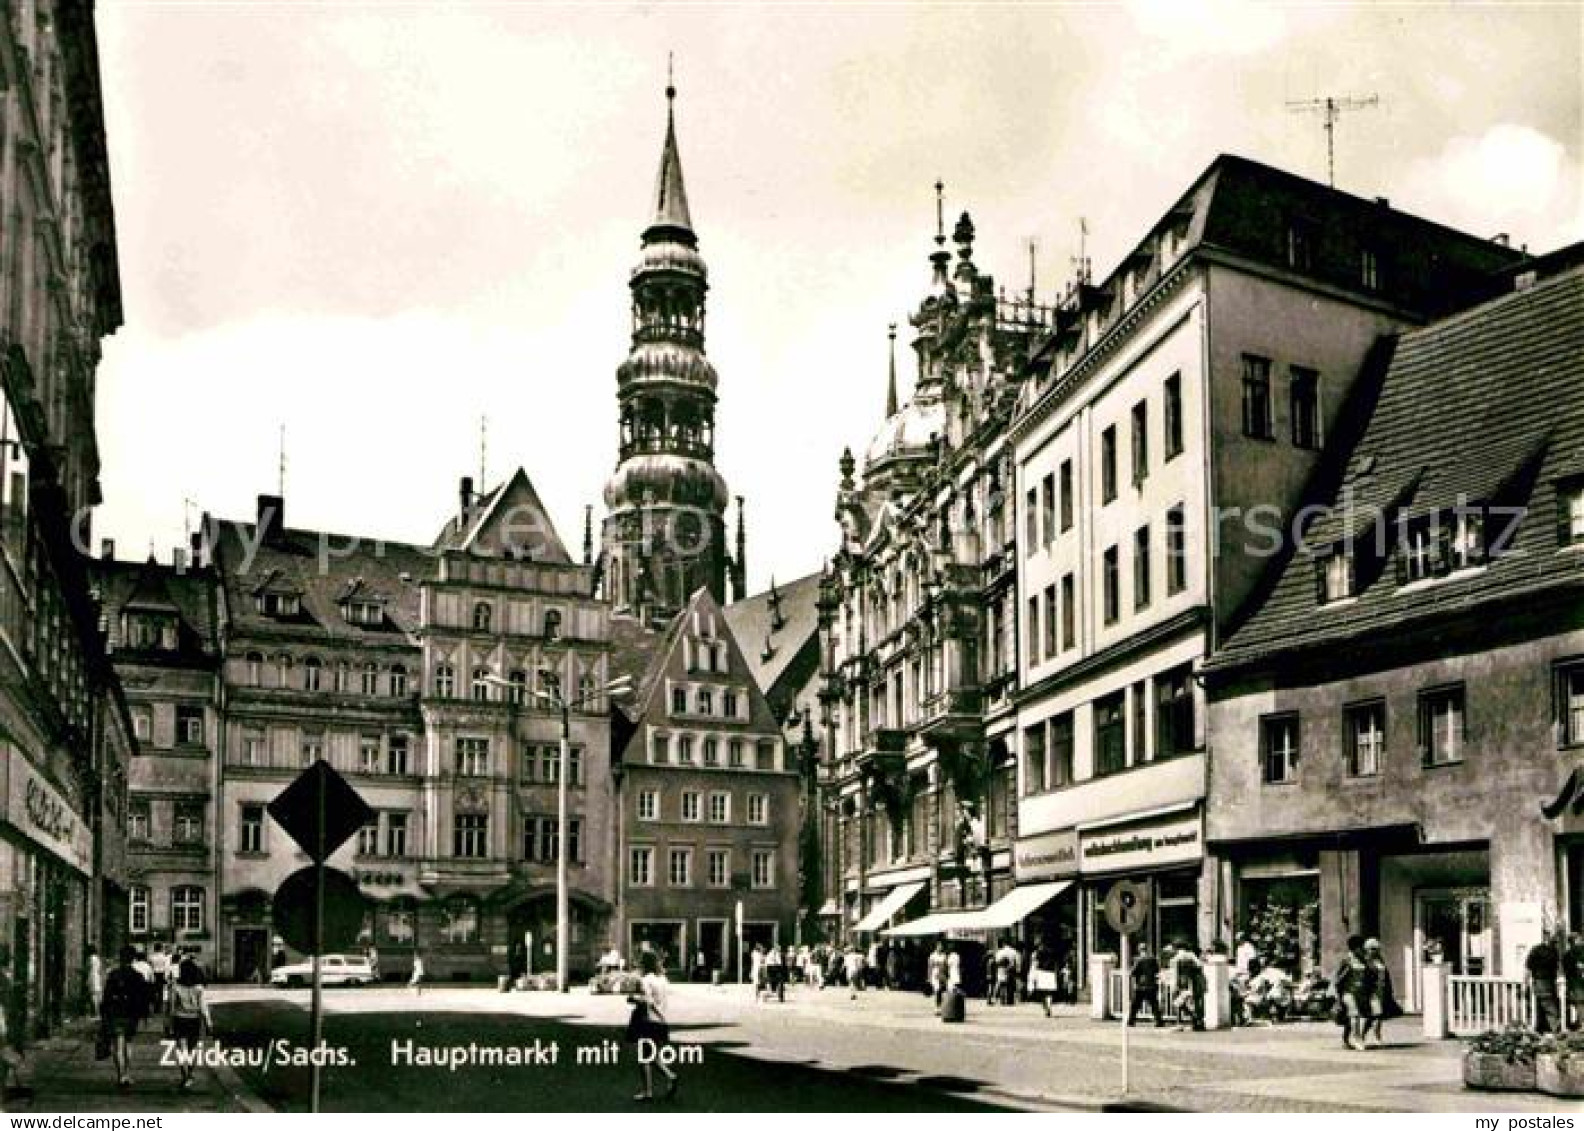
[918, 617]
[412, 670]
[63, 723]
[1399, 726]
[664, 534]
[710, 802]
[1167, 431]
[161, 631]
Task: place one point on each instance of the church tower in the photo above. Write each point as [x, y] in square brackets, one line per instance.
[664, 535]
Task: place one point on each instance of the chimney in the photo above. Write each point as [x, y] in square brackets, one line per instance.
[1383, 201]
[465, 490]
[107, 549]
[271, 521]
[179, 559]
[1501, 239]
[195, 542]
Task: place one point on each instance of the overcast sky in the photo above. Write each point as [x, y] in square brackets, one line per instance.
[376, 223]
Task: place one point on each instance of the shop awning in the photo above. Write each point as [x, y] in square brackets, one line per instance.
[828, 908]
[1016, 905]
[884, 911]
[937, 924]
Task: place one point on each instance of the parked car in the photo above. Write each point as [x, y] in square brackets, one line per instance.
[334, 970]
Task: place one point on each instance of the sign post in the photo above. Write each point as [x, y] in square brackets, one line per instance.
[1127, 909]
[319, 811]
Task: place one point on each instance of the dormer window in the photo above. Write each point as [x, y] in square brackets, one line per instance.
[363, 612]
[1334, 576]
[1418, 560]
[280, 605]
[1570, 513]
[1468, 539]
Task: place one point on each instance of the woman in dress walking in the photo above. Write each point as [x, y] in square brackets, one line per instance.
[188, 1010]
[648, 1023]
[1380, 1002]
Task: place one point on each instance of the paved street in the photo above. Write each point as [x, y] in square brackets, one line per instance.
[822, 1050]
[818, 1051]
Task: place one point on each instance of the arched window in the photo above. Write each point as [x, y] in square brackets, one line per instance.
[283, 670]
[445, 681]
[311, 672]
[398, 681]
[481, 617]
[343, 678]
[480, 684]
[254, 673]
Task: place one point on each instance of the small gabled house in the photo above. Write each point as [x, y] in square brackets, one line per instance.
[708, 802]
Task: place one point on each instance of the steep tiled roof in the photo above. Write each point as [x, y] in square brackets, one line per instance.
[323, 568]
[509, 517]
[771, 643]
[1487, 405]
[159, 588]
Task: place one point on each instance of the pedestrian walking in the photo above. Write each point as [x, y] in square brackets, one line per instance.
[160, 963]
[1349, 983]
[127, 995]
[1543, 964]
[1144, 978]
[1189, 981]
[188, 1013]
[854, 966]
[96, 976]
[1042, 985]
[1007, 964]
[775, 974]
[1573, 978]
[935, 973]
[416, 980]
[648, 1024]
[1381, 1000]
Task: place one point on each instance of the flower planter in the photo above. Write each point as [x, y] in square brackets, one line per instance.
[1493, 1072]
[1558, 1076]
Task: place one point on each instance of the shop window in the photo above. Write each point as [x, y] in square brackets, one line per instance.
[400, 918]
[187, 910]
[1279, 748]
[459, 924]
[1441, 726]
[1110, 729]
[1365, 724]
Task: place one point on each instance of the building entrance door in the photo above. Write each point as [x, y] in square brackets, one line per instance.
[1458, 923]
[712, 946]
[250, 954]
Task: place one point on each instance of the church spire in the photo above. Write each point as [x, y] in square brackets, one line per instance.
[891, 386]
[671, 206]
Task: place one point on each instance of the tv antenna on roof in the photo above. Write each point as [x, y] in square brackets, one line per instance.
[280, 467]
[1330, 109]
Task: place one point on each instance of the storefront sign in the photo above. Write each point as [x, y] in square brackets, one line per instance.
[1049, 856]
[1174, 841]
[37, 809]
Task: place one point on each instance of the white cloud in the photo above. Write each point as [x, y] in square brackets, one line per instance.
[1510, 178]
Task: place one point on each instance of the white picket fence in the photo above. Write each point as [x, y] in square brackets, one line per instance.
[1476, 1003]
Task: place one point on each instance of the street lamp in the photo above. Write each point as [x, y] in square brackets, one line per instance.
[552, 680]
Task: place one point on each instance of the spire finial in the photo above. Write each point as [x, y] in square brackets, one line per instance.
[891, 384]
[670, 76]
[940, 212]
